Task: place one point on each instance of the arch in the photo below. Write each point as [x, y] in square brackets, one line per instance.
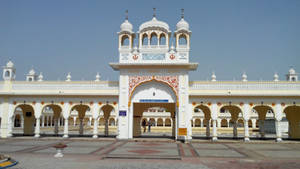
[182, 40]
[262, 110]
[81, 109]
[106, 109]
[168, 122]
[152, 121]
[197, 123]
[160, 122]
[148, 82]
[234, 111]
[125, 40]
[7, 73]
[224, 123]
[162, 39]
[112, 122]
[145, 39]
[28, 117]
[101, 121]
[293, 116]
[240, 123]
[17, 120]
[153, 39]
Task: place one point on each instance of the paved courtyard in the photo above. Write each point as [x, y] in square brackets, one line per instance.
[150, 153]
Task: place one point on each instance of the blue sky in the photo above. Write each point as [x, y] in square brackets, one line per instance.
[229, 37]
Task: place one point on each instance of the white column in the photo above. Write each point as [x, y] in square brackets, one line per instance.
[214, 116]
[66, 128]
[253, 123]
[74, 120]
[215, 135]
[155, 122]
[37, 127]
[22, 121]
[95, 131]
[201, 125]
[51, 121]
[278, 130]
[246, 127]
[43, 121]
[278, 117]
[164, 122]
[246, 116]
[228, 122]
[219, 122]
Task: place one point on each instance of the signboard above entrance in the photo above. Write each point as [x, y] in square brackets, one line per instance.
[154, 100]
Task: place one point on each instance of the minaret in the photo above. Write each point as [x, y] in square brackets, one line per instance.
[182, 37]
[9, 71]
[292, 76]
[31, 76]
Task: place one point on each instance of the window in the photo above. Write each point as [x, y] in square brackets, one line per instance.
[182, 40]
[145, 39]
[7, 73]
[153, 40]
[162, 39]
[125, 41]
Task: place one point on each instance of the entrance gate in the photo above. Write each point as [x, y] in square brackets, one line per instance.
[139, 108]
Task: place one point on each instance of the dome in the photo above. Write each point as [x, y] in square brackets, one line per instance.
[182, 25]
[126, 26]
[10, 64]
[292, 71]
[31, 72]
[154, 23]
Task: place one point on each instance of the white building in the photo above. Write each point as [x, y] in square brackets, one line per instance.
[152, 74]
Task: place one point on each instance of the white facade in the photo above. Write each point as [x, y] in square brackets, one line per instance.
[153, 74]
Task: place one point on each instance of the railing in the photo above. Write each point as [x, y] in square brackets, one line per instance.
[232, 85]
[76, 85]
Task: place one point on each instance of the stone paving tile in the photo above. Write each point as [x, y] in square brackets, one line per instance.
[88, 143]
[150, 144]
[68, 150]
[218, 153]
[280, 154]
[31, 142]
[261, 146]
[208, 146]
[13, 148]
[145, 151]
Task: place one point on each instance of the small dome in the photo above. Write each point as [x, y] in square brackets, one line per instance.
[126, 26]
[154, 23]
[10, 64]
[182, 25]
[292, 71]
[31, 72]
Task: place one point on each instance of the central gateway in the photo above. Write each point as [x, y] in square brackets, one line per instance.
[154, 74]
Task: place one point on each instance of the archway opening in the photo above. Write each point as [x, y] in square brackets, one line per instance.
[154, 120]
[26, 120]
[152, 101]
[52, 121]
[203, 121]
[82, 113]
[107, 120]
[233, 120]
[266, 121]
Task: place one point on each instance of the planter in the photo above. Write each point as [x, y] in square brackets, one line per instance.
[59, 149]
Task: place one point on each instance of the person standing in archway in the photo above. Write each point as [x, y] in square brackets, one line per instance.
[144, 125]
[149, 126]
